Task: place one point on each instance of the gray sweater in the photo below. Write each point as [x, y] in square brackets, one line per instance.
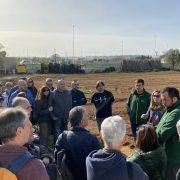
[61, 101]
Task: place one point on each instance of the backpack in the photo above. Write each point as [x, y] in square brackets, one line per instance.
[63, 160]
[10, 170]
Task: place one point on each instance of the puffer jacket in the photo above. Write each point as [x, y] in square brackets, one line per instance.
[152, 162]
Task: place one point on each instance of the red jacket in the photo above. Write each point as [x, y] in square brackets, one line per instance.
[32, 170]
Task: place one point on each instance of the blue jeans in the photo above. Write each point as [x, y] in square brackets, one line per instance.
[58, 127]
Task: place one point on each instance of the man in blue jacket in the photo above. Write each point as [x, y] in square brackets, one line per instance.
[79, 143]
[109, 163]
[78, 97]
[22, 87]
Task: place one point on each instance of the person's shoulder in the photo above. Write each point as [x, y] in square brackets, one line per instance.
[107, 92]
[134, 156]
[95, 94]
[15, 92]
[147, 93]
[37, 168]
[138, 172]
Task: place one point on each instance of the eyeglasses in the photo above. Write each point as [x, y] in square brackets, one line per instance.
[156, 96]
[30, 81]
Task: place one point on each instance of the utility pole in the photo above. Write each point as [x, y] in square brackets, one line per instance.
[73, 44]
[155, 44]
[122, 47]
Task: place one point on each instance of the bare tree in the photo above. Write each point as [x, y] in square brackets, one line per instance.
[172, 58]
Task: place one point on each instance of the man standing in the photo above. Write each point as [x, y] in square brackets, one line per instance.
[102, 100]
[49, 84]
[8, 87]
[22, 87]
[167, 132]
[60, 102]
[78, 97]
[15, 131]
[138, 104]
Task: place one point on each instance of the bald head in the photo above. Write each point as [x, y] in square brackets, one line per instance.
[61, 84]
[75, 84]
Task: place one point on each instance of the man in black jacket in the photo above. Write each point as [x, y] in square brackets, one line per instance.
[78, 97]
[79, 143]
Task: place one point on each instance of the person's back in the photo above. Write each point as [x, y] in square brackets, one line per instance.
[34, 169]
[80, 143]
[152, 162]
[111, 165]
[15, 131]
[149, 154]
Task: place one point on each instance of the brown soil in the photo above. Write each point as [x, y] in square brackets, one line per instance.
[120, 84]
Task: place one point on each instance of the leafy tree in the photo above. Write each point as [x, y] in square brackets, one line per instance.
[172, 58]
[2, 57]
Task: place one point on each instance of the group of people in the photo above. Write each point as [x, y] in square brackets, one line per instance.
[79, 155]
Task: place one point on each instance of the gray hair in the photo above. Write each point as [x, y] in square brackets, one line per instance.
[49, 80]
[113, 130]
[76, 115]
[178, 128]
[18, 101]
[61, 80]
[10, 120]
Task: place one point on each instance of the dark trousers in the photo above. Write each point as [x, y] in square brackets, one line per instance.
[99, 122]
[45, 132]
[135, 125]
[58, 127]
[171, 171]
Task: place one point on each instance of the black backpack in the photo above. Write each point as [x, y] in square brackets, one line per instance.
[64, 159]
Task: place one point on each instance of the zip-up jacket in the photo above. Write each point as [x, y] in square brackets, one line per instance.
[61, 101]
[167, 133]
[138, 105]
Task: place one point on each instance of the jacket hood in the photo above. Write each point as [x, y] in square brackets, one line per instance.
[108, 161]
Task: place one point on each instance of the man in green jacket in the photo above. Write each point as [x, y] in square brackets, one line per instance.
[137, 105]
[167, 132]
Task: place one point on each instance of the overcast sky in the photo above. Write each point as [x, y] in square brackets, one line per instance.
[41, 27]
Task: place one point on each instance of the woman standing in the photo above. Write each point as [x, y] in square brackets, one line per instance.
[42, 114]
[156, 109]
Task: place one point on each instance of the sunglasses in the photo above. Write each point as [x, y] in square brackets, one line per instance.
[156, 96]
[46, 90]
